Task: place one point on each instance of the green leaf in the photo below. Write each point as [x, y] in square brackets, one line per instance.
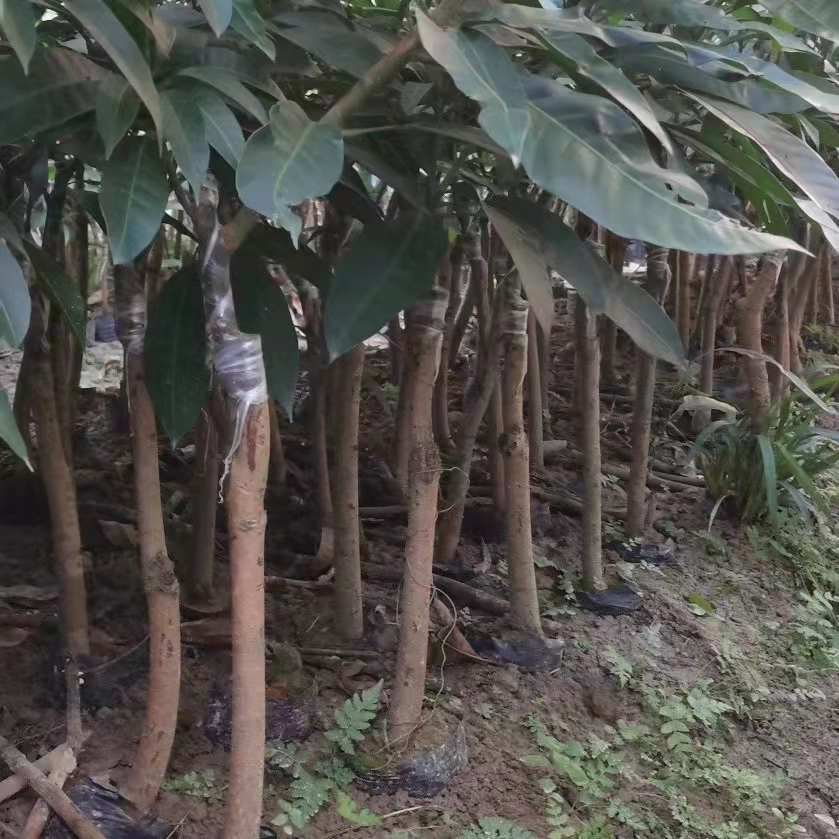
[250, 25]
[61, 288]
[682, 12]
[829, 225]
[18, 25]
[699, 606]
[9, 432]
[770, 477]
[105, 27]
[15, 304]
[348, 809]
[539, 241]
[183, 123]
[792, 156]
[821, 17]
[175, 356]
[288, 161]
[222, 128]
[275, 244]
[218, 13]
[88, 201]
[584, 149]
[230, 86]
[61, 85]
[262, 309]
[388, 266]
[117, 105]
[133, 197]
[803, 478]
[535, 760]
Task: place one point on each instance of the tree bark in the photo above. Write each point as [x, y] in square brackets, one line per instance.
[780, 329]
[395, 338]
[615, 254]
[442, 430]
[278, 465]
[346, 396]
[524, 603]
[424, 477]
[159, 580]
[326, 546]
[803, 271]
[535, 419]
[830, 309]
[205, 492]
[684, 294]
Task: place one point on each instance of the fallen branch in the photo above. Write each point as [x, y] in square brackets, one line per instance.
[569, 504]
[10, 617]
[656, 481]
[14, 784]
[394, 510]
[57, 799]
[40, 813]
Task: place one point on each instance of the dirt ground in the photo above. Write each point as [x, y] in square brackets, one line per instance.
[786, 732]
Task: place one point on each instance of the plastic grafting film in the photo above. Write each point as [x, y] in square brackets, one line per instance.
[130, 300]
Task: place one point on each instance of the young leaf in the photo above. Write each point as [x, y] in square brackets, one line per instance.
[175, 357]
[288, 161]
[183, 123]
[218, 14]
[18, 25]
[225, 83]
[387, 267]
[61, 289]
[222, 128]
[133, 197]
[770, 477]
[117, 105]
[250, 25]
[9, 432]
[348, 809]
[15, 304]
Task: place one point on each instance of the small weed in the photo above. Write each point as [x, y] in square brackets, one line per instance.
[621, 668]
[815, 630]
[486, 710]
[202, 784]
[495, 828]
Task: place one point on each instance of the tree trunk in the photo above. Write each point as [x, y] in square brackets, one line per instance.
[78, 268]
[395, 338]
[464, 315]
[780, 342]
[346, 396]
[749, 335]
[588, 401]
[326, 546]
[401, 444]
[524, 603]
[277, 465]
[159, 581]
[684, 294]
[54, 466]
[205, 491]
[239, 367]
[714, 295]
[424, 477]
[803, 271]
[615, 254]
[830, 309]
[535, 419]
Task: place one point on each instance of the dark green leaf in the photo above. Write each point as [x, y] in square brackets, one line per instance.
[62, 289]
[18, 25]
[821, 17]
[250, 25]
[275, 244]
[538, 241]
[133, 197]
[222, 128]
[105, 27]
[231, 87]
[117, 105]
[61, 85]
[770, 476]
[89, 202]
[401, 179]
[15, 305]
[262, 309]
[585, 150]
[9, 432]
[288, 161]
[218, 13]
[183, 123]
[388, 266]
[175, 356]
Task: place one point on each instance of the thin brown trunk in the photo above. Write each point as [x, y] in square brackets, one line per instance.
[780, 341]
[524, 603]
[642, 412]
[424, 477]
[346, 396]
[803, 271]
[326, 546]
[815, 290]
[535, 420]
[159, 580]
[442, 429]
[830, 309]
[278, 466]
[545, 371]
[205, 491]
[749, 335]
[464, 315]
[616, 254]
[400, 446]
[684, 294]
[78, 269]
[394, 334]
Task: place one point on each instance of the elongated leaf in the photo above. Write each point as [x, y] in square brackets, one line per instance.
[222, 129]
[401, 179]
[61, 85]
[9, 432]
[539, 241]
[584, 149]
[183, 123]
[802, 477]
[770, 477]
[250, 25]
[133, 197]
[275, 244]
[388, 266]
[61, 288]
[175, 359]
[262, 309]
[791, 155]
[15, 304]
[18, 25]
[231, 87]
[105, 27]
[288, 161]
[117, 105]
[682, 12]
[829, 225]
[821, 17]
[9, 233]
[218, 13]
[88, 201]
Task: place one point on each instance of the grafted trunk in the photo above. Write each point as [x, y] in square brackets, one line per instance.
[346, 396]
[535, 419]
[749, 335]
[159, 581]
[524, 603]
[424, 476]
[205, 492]
[464, 314]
